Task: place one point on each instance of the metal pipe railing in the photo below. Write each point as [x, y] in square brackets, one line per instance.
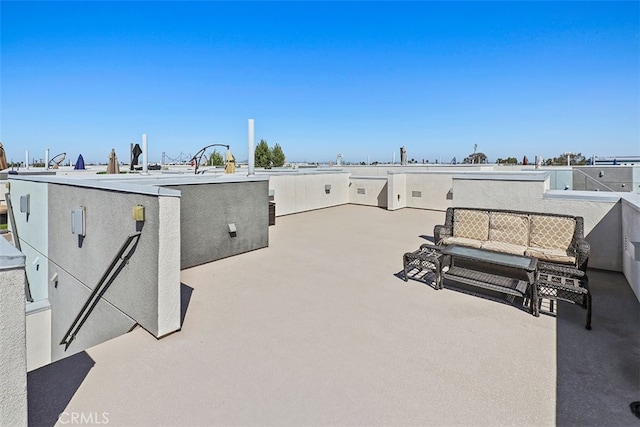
[120, 259]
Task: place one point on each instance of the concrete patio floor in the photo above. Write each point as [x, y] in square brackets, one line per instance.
[318, 329]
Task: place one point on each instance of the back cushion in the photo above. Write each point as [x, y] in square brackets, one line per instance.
[509, 228]
[471, 224]
[551, 232]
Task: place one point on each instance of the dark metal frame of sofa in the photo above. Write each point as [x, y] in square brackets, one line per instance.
[579, 247]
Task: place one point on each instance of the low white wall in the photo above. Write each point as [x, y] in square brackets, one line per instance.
[38, 334]
[13, 352]
[529, 192]
[429, 190]
[631, 241]
[369, 191]
[305, 191]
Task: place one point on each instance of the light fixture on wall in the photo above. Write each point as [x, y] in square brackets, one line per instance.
[601, 174]
[25, 204]
[327, 188]
[138, 213]
[78, 222]
[232, 229]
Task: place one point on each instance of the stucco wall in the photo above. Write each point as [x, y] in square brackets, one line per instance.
[145, 291]
[304, 191]
[207, 209]
[631, 242]
[13, 356]
[603, 178]
[396, 190]
[601, 212]
[431, 190]
[32, 232]
[369, 191]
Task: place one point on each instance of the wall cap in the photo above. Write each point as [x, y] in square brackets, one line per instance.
[10, 257]
[594, 196]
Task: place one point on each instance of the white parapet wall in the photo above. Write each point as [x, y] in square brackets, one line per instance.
[631, 241]
[368, 190]
[13, 353]
[529, 191]
[304, 191]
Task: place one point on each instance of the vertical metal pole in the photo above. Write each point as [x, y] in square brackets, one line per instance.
[252, 158]
[144, 153]
[26, 159]
[46, 158]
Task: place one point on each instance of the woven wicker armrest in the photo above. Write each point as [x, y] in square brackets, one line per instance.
[583, 249]
[440, 232]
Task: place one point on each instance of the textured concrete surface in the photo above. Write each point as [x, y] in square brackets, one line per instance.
[13, 369]
[318, 329]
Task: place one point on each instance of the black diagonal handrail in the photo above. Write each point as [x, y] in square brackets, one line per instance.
[119, 260]
[16, 242]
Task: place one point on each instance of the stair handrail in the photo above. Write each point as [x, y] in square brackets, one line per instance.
[98, 290]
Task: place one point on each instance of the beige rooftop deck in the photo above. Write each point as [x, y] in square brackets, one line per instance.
[318, 329]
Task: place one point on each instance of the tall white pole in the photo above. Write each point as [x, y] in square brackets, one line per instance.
[251, 148]
[144, 153]
[46, 158]
[26, 159]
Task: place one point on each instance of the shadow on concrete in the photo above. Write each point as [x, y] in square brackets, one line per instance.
[185, 299]
[426, 277]
[597, 371]
[50, 388]
[428, 238]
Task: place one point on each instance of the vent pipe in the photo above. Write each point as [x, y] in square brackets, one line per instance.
[252, 158]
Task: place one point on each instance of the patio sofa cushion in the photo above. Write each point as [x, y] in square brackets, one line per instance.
[508, 248]
[509, 228]
[471, 224]
[553, 255]
[550, 237]
[463, 241]
[551, 232]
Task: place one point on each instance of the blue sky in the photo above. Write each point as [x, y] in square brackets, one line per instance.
[321, 78]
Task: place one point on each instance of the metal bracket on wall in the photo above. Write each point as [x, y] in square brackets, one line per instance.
[117, 264]
[16, 242]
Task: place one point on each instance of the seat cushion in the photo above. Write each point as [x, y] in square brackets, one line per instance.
[553, 255]
[508, 248]
[509, 228]
[551, 232]
[471, 224]
[462, 241]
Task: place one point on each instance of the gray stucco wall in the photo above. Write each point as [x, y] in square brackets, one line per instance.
[13, 353]
[108, 223]
[614, 178]
[146, 290]
[207, 209]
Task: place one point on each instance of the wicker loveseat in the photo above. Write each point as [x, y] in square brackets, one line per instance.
[552, 238]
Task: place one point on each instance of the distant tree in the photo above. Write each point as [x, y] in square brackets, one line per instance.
[263, 155]
[363, 163]
[215, 159]
[561, 160]
[475, 158]
[507, 161]
[277, 156]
